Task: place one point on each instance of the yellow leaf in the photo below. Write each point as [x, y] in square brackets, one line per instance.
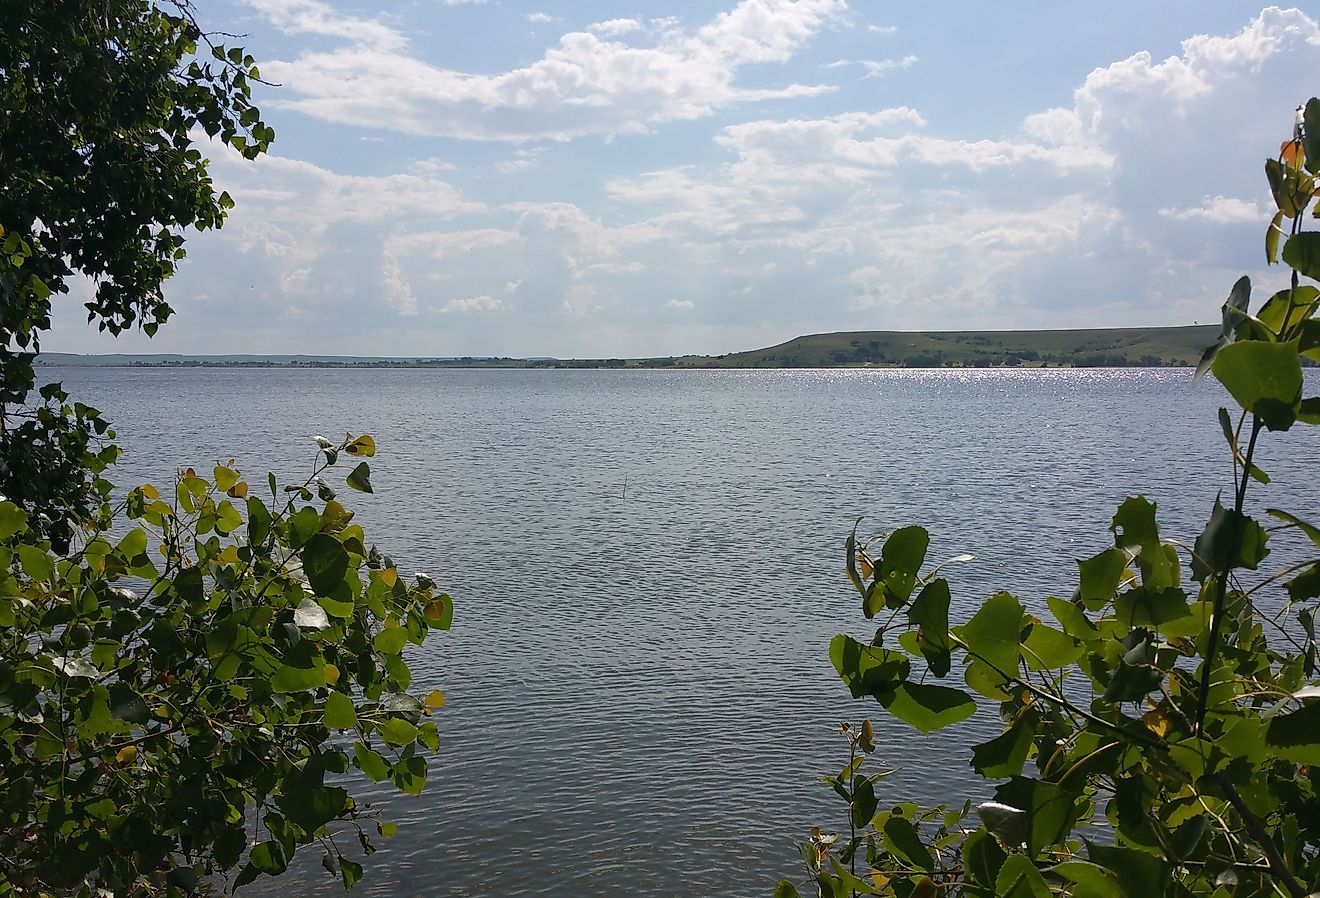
[149, 491]
[389, 576]
[126, 754]
[363, 445]
[228, 555]
[1156, 720]
[331, 674]
[866, 741]
[188, 474]
[239, 490]
[865, 565]
[436, 699]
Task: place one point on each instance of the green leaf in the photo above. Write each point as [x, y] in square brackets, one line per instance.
[325, 562]
[1131, 865]
[786, 889]
[867, 669]
[1302, 252]
[1134, 523]
[902, 838]
[268, 857]
[1312, 532]
[259, 521]
[992, 634]
[1049, 812]
[37, 563]
[1296, 736]
[340, 714]
[1230, 540]
[391, 641]
[930, 612]
[1073, 620]
[312, 806]
[396, 731]
[288, 678]
[125, 704]
[983, 858]
[1152, 608]
[1234, 310]
[360, 478]
[926, 706]
[1272, 235]
[12, 520]
[863, 802]
[372, 764]
[188, 585]
[896, 571]
[133, 544]
[1100, 576]
[1004, 755]
[1288, 308]
[1311, 135]
[351, 871]
[1089, 880]
[1264, 378]
[1019, 878]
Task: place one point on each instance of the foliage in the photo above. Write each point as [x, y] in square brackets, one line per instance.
[184, 699]
[99, 178]
[1161, 729]
[187, 697]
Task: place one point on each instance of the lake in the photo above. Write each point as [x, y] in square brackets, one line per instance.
[648, 567]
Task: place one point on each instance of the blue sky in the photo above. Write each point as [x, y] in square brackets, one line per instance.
[457, 177]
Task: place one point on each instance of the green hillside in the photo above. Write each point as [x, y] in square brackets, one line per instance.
[1108, 347]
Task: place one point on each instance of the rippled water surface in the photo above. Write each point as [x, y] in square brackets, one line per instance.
[648, 568]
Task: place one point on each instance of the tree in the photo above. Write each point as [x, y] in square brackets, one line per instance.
[187, 698]
[1179, 712]
[100, 178]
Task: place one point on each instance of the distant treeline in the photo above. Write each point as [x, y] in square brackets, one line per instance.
[1076, 348]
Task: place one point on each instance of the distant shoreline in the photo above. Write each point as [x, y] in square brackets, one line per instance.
[1151, 347]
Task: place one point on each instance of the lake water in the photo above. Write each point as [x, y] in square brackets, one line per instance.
[648, 566]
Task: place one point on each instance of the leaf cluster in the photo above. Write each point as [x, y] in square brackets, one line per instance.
[100, 178]
[1160, 730]
[193, 696]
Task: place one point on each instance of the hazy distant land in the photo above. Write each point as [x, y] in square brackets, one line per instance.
[1146, 347]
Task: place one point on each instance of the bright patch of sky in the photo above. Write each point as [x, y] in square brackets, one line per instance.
[459, 177]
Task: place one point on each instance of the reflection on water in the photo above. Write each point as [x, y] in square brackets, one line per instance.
[639, 693]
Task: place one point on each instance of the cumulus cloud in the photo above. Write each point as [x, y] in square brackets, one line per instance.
[475, 304]
[398, 292]
[875, 68]
[1137, 202]
[615, 27]
[1221, 209]
[583, 85]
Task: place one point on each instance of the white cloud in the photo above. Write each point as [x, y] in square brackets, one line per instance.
[540, 18]
[321, 19]
[584, 85]
[876, 68]
[680, 304]
[475, 304]
[1219, 209]
[615, 27]
[882, 29]
[398, 292]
